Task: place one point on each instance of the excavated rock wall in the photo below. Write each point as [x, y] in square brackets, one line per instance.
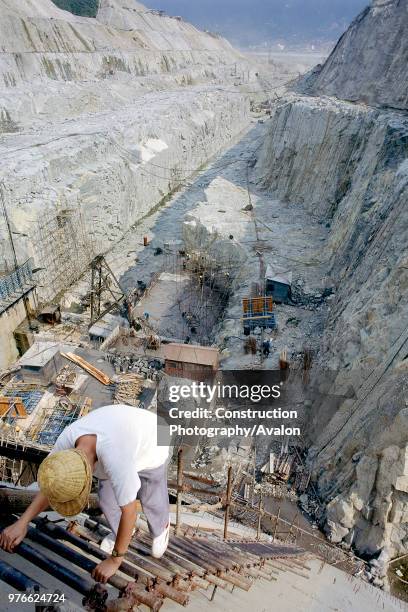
[349, 163]
[73, 197]
[41, 42]
[101, 119]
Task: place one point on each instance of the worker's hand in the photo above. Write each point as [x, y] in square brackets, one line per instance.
[13, 535]
[106, 569]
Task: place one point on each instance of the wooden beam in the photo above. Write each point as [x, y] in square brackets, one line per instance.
[85, 365]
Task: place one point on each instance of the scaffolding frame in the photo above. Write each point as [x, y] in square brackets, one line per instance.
[103, 284]
[62, 249]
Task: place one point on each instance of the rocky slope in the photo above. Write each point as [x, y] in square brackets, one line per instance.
[369, 63]
[349, 163]
[100, 120]
[41, 42]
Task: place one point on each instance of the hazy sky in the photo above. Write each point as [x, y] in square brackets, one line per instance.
[247, 22]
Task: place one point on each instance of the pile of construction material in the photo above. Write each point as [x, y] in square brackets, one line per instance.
[277, 490]
[311, 506]
[278, 467]
[65, 381]
[128, 388]
[143, 366]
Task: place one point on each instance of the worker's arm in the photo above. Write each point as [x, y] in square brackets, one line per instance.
[13, 535]
[109, 567]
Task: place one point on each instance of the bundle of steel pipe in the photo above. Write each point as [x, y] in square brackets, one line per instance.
[206, 559]
[152, 582]
[199, 576]
[82, 585]
[182, 568]
[175, 562]
[266, 550]
[243, 564]
[65, 575]
[192, 560]
[23, 583]
[138, 555]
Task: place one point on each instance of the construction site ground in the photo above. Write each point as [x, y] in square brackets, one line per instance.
[225, 199]
[276, 233]
[272, 233]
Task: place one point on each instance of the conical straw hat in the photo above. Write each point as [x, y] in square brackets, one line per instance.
[65, 478]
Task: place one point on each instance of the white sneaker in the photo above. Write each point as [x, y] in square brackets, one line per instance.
[108, 543]
[159, 544]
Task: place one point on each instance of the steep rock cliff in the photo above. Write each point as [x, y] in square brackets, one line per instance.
[349, 164]
[370, 62]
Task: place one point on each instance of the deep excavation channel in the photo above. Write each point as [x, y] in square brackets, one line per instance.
[203, 309]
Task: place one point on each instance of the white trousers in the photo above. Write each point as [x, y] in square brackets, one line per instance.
[109, 505]
[153, 495]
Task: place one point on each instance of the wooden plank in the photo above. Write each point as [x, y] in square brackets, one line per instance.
[85, 365]
[256, 317]
[16, 403]
[4, 406]
[20, 408]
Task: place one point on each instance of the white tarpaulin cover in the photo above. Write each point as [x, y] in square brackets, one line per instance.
[278, 275]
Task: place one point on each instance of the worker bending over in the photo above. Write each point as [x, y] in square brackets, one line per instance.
[118, 445]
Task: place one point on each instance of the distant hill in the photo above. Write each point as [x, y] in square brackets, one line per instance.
[87, 8]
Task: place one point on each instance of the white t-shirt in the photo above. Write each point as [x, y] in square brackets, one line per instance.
[126, 443]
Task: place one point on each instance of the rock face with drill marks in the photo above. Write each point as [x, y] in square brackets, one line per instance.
[40, 41]
[349, 163]
[101, 119]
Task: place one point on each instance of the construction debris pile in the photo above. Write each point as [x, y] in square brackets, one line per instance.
[144, 367]
[128, 388]
[65, 381]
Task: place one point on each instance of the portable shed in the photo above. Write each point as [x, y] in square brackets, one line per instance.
[278, 283]
[191, 361]
[42, 362]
